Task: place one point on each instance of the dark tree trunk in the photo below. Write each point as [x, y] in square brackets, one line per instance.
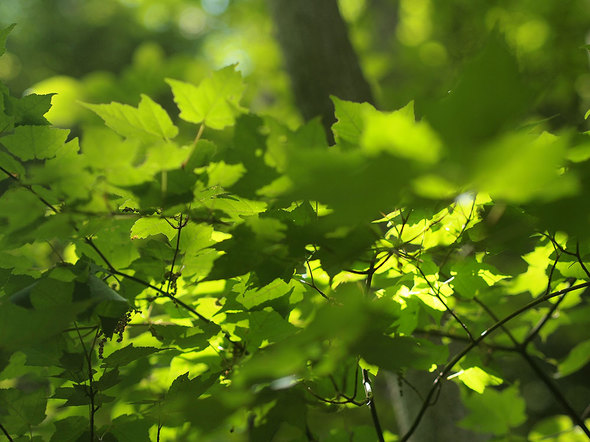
[318, 56]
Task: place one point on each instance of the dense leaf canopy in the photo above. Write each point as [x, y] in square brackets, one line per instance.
[182, 260]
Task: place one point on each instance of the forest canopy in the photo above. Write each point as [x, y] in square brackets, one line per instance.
[193, 249]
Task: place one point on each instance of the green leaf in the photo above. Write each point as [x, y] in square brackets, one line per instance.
[29, 110]
[519, 167]
[400, 352]
[127, 355]
[108, 379]
[471, 278]
[577, 358]
[256, 247]
[131, 428]
[490, 96]
[249, 153]
[257, 296]
[286, 407]
[267, 327]
[350, 123]
[35, 142]
[21, 327]
[494, 411]
[478, 379]
[75, 396]
[215, 102]
[146, 227]
[557, 429]
[183, 388]
[3, 35]
[399, 134]
[69, 429]
[149, 121]
[19, 410]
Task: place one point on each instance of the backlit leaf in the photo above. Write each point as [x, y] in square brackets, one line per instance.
[35, 142]
[215, 102]
[148, 121]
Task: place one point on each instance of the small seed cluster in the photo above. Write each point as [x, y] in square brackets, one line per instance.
[119, 330]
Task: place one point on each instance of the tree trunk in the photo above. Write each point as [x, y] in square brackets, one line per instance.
[318, 56]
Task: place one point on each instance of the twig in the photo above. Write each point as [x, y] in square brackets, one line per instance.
[436, 293]
[91, 392]
[455, 337]
[557, 394]
[176, 249]
[371, 404]
[161, 292]
[313, 285]
[30, 189]
[449, 366]
[10, 439]
[366, 380]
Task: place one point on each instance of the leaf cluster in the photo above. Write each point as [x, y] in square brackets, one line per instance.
[261, 279]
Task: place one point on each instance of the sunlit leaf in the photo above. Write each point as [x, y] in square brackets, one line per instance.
[577, 358]
[148, 121]
[478, 379]
[35, 142]
[494, 411]
[215, 102]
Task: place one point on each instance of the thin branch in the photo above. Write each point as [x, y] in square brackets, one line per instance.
[161, 292]
[463, 229]
[577, 254]
[176, 250]
[10, 439]
[430, 226]
[366, 380]
[370, 273]
[30, 189]
[309, 434]
[91, 392]
[535, 331]
[557, 394]
[371, 404]
[346, 400]
[316, 289]
[436, 293]
[461, 338]
[313, 284]
[449, 366]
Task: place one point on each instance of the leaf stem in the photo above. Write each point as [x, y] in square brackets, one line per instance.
[194, 145]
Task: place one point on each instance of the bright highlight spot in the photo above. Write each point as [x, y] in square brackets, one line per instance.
[192, 21]
[215, 7]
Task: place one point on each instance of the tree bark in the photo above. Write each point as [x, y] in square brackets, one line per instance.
[319, 56]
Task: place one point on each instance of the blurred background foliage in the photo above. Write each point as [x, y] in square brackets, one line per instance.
[113, 50]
